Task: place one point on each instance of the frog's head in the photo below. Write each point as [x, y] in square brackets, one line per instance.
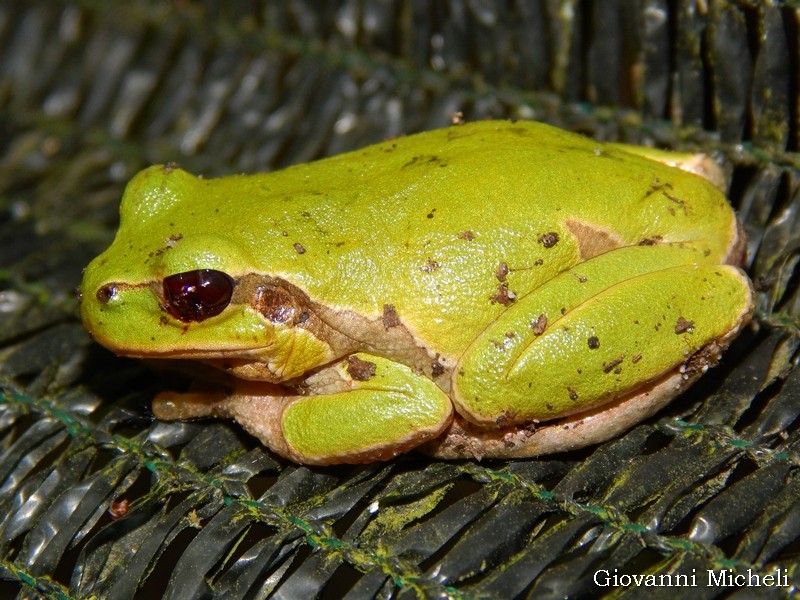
[179, 283]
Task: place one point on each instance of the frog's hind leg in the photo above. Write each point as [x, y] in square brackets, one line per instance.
[256, 405]
[626, 319]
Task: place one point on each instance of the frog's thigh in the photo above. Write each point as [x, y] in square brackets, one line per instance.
[364, 408]
[598, 332]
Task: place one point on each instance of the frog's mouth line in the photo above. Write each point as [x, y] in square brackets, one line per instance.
[203, 355]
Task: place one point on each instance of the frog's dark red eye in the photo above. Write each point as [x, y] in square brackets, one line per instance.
[195, 296]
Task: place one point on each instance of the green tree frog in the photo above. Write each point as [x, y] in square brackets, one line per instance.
[495, 289]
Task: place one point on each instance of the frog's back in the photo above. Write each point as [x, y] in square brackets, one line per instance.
[449, 226]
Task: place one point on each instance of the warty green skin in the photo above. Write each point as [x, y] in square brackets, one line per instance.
[514, 271]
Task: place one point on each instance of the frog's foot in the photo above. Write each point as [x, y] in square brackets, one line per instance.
[258, 406]
[358, 410]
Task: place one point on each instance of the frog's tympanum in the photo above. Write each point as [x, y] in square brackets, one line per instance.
[495, 289]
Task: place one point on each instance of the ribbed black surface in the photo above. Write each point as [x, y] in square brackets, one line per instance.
[92, 91]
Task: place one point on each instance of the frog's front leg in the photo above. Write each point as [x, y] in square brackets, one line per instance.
[647, 317]
[358, 410]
